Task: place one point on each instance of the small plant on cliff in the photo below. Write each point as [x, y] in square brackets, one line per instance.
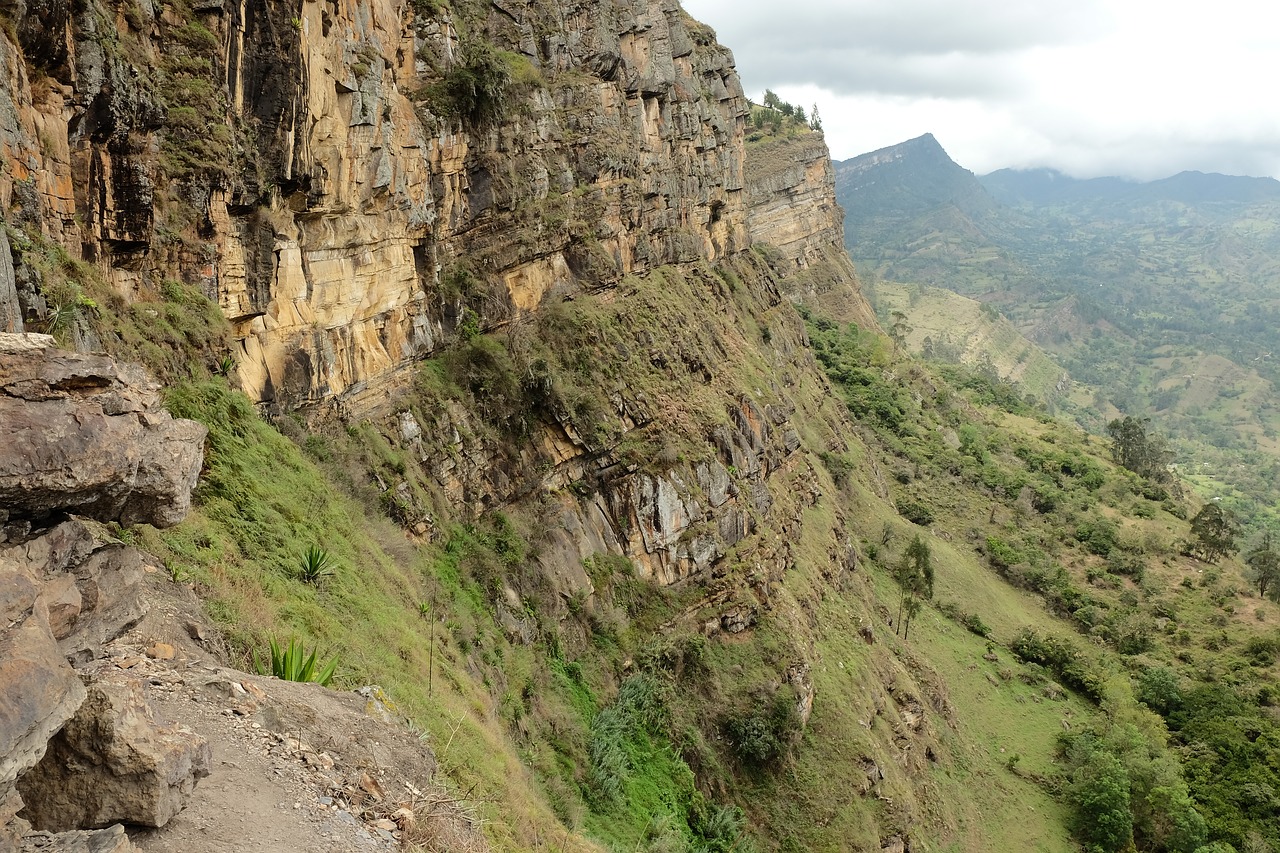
[292, 663]
[315, 565]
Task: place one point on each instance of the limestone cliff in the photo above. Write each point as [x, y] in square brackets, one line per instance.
[553, 205]
[328, 175]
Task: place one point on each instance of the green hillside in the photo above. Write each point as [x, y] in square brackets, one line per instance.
[1161, 297]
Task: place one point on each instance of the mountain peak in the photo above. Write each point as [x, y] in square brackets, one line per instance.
[902, 180]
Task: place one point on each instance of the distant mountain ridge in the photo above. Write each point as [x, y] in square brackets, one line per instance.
[1038, 187]
[1162, 295]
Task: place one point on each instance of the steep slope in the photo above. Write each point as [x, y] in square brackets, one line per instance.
[479, 307]
[612, 451]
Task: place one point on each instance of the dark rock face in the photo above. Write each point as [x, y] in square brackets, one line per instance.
[114, 762]
[86, 435]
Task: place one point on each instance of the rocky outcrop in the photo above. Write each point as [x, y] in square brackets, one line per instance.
[791, 196]
[319, 175]
[86, 435]
[792, 207]
[83, 434]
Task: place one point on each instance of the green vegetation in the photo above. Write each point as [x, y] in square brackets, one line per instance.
[475, 89]
[292, 663]
[1155, 298]
[1095, 544]
[775, 116]
[315, 565]
[1215, 530]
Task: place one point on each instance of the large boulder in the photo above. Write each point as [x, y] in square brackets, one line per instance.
[40, 689]
[114, 761]
[86, 435]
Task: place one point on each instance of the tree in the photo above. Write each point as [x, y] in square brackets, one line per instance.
[914, 574]
[898, 329]
[1100, 792]
[1144, 453]
[771, 100]
[815, 121]
[1215, 530]
[913, 607]
[1264, 567]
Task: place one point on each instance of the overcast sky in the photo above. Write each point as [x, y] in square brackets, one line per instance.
[1137, 88]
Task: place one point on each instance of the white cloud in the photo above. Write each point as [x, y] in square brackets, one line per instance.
[1132, 87]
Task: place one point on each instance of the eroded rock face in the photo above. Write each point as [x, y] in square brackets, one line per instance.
[114, 762]
[333, 238]
[86, 435]
[792, 206]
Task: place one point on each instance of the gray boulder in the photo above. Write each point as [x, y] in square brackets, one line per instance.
[88, 436]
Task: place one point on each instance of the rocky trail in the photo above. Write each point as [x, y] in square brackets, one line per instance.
[121, 727]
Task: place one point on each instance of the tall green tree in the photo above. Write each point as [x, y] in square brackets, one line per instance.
[898, 330]
[1264, 567]
[914, 574]
[1143, 452]
[1099, 791]
[1215, 530]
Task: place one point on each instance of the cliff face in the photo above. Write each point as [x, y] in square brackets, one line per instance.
[552, 206]
[792, 207]
[352, 182]
[359, 184]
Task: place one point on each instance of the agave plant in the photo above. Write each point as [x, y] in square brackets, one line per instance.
[315, 565]
[292, 663]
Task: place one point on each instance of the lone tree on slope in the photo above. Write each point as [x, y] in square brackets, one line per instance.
[1215, 530]
[914, 575]
[1264, 567]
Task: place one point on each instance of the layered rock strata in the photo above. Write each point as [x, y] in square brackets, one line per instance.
[360, 209]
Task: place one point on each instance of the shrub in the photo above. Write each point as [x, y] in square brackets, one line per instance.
[762, 735]
[476, 90]
[292, 663]
[915, 512]
[315, 565]
[1159, 690]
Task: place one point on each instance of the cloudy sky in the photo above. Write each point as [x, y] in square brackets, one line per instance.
[1138, 88]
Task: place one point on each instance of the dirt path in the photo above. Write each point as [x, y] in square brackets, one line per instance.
[297, 768]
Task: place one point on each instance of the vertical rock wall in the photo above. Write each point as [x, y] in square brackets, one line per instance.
[309, 168]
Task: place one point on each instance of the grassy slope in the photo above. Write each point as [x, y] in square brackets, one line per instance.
[958, 326]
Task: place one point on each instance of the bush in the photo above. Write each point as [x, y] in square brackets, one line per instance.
[762, 735]
[1001, 555]
[1098, 535]
[1159, 690]
[292, 663]
[915, 512]
[476, 90]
